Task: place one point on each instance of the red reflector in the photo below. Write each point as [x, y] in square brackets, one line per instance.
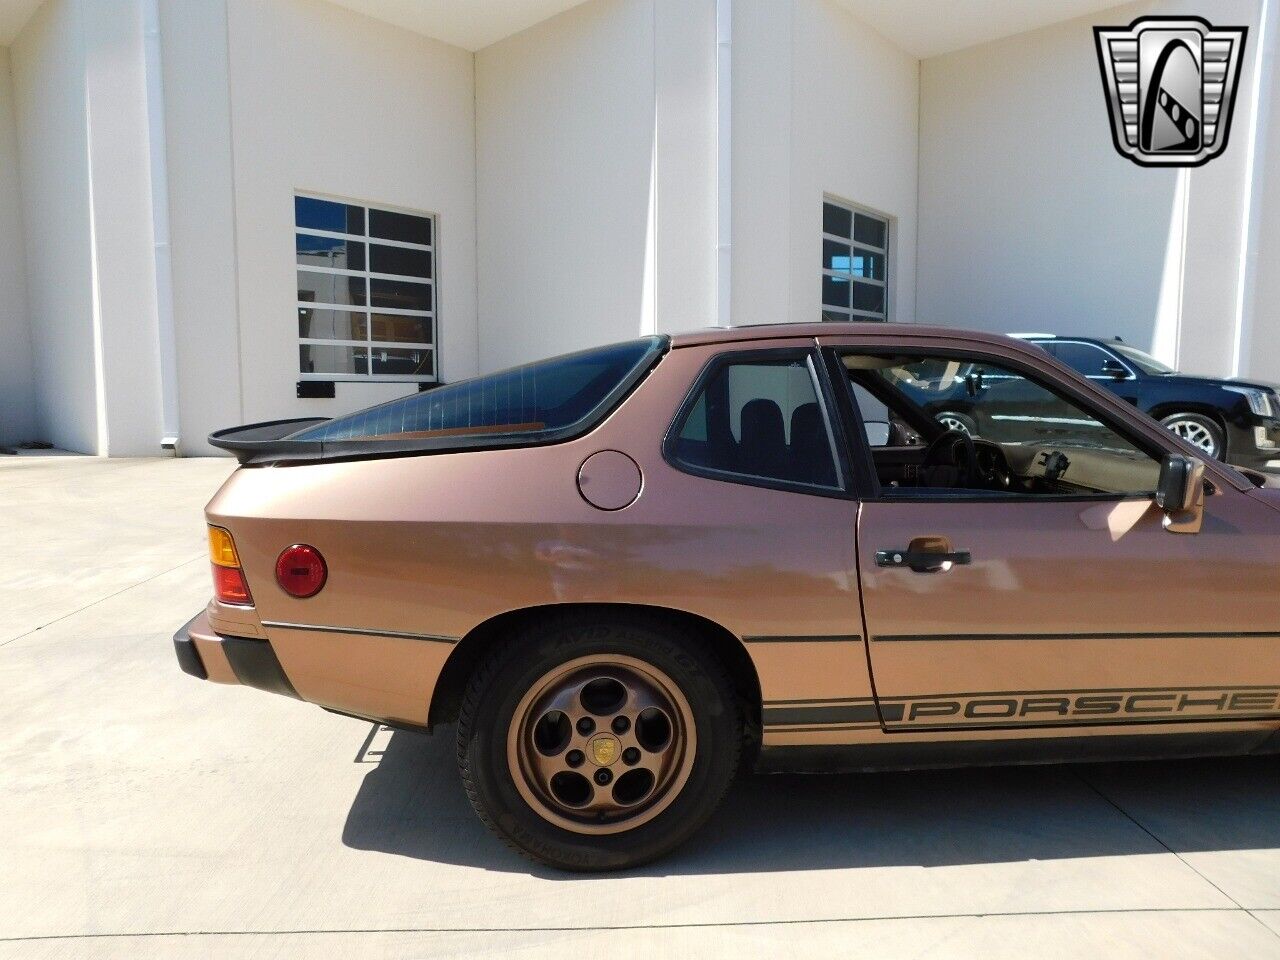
[300, 570]
[229, 586]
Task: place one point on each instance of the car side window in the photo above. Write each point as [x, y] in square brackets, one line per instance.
[996, 431]
[759, 420]
[1083, 358]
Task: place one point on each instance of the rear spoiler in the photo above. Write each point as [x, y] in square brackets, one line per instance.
[266, 439]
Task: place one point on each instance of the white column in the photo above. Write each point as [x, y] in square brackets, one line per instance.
[126, 333]
[1257, 321]
[684, 186]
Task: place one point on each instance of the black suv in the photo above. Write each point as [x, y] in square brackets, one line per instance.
[1233, 420]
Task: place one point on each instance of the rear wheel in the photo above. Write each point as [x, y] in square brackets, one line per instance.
[1199, 430]
[598, 743]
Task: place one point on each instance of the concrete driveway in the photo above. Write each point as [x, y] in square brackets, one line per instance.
[146, 814]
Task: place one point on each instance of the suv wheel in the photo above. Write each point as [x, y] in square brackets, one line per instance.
[598, 743]
[1199, 430]
[958, 422]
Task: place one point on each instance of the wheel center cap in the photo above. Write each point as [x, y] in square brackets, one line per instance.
[604, 750]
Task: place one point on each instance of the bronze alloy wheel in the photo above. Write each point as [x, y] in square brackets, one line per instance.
[599, 739]
[601, 744]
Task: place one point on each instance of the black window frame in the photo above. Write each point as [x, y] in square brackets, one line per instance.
[1050, 347]
[826, 398]
[870, 489]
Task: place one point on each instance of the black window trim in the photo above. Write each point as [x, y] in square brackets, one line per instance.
[1110, 354]
[871, 490]
[825, 396]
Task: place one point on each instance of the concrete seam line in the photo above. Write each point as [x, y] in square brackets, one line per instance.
[1141, 826]
[94, 603]
[1266, 926]
[1136, 911]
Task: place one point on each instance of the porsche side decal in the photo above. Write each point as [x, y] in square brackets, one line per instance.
[1025, 708]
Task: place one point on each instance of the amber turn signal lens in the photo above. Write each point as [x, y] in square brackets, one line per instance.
[222, 551]
[229, 586]
[300, 571]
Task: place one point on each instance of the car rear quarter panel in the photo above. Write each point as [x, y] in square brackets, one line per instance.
[436, 545]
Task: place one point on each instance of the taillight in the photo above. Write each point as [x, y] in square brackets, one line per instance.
[229, 585]
[300, 571]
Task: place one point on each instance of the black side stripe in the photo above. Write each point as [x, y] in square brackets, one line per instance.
[806, 639]
[823, 715]
[978, 637]
[396, 634]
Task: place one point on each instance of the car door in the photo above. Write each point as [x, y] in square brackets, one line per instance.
[1022, 612]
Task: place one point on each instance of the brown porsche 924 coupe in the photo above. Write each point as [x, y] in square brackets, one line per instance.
[630, 572]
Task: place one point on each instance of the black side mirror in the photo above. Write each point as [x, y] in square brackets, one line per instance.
[1180, 492]
[1114, 369]
[973, 383]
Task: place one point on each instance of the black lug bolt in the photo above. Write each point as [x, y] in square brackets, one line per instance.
[621, 724]
[574, 758]
[631, 756]
[603, 777]
[586, 726]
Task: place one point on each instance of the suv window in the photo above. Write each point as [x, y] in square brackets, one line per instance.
[1081, 357]
[759, 419]
[532, 401]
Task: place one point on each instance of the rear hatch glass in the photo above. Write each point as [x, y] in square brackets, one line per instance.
[535, 403]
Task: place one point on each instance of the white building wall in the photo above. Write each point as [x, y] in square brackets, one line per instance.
[1030, 220]
[327, 101]
[685, 184]
[823, 105]
[761, 142]
[202, 224]
[48, 66]
[565, 151]
[121, 240]
[17, 388]
[1259, 350]
[854, 137]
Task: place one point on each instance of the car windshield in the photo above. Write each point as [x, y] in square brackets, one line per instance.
[530, 401]
[1143, 361]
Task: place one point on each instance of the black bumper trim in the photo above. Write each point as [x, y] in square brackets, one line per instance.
[188, 656]
[256, 665]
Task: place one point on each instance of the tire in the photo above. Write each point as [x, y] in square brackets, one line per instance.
[1204, 432]
[510, 739]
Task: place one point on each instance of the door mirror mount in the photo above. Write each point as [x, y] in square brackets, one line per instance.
[1180, 493]
[1115, 370]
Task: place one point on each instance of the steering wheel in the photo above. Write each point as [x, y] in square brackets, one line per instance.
[954, 448]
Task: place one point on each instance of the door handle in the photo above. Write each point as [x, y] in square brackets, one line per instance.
[923, 560]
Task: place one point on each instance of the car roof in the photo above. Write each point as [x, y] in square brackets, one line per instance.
[1034, 337]
[870, 330]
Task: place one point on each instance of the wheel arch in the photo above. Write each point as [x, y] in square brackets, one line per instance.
[467, 653]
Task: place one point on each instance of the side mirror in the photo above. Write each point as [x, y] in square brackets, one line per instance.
[973, 384]
[1180, 493]
[1114, 369]
[878, 433]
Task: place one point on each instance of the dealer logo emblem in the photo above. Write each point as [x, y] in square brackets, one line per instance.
[1170, 84]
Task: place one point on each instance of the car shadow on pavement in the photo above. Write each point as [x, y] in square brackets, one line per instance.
[411, 804]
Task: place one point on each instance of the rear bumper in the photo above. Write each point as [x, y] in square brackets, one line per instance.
[185, 648]
[208, 655]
